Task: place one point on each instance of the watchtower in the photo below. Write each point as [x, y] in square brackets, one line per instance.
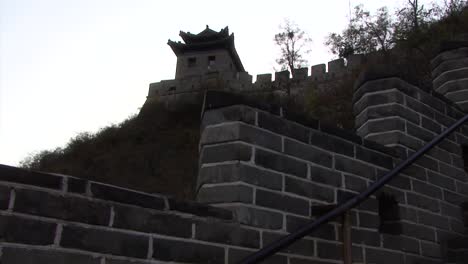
[206, 52]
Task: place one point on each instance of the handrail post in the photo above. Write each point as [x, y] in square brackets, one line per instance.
[346, 230]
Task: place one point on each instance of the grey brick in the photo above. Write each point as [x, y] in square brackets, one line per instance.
[354, 167]
[125, 261]
[225, 193]
[327, 250]
[308, 152]
[427, 162]
[227, 233]
[199, 209]
[423, 202]
[21, 230]
[282, 202]
[325, 176]
[326, 231]
[304, 247]
[307, 261]
[236, 255]
[17, 175]
[383, 257]
[331, 143]
[13, 255]
[378, 99]
[76, 185]
[104, 241]
[369, 220]
[457, 226]
[440, 154]
[453, 198]
[308, 189]
[402, 243]
[241, 132]
[355, 183]
[431, 250]
[228, 114]
[366, 237]
[4, 197]
[430, 219]
[280, 163]
[226, 152]
[240, 172]
[383, 125]
[258, 217]
[374, 157]
[427, 189]
[419, 107]
[453, 172]
[184, 251]
[283, 127]
[116, 194]
[387, 111]
[451, 210]
[61, 207]
[416, 171]
[418, 231]
[440, 180]
[139, 219]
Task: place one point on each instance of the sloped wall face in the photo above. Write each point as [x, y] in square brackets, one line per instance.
[276, 174]
[450, 75]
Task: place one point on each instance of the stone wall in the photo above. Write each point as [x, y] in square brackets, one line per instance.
[276, 174]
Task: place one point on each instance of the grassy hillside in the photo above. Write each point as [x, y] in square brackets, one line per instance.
[156, 151]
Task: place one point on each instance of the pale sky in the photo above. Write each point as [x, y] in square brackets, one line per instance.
[70, 66]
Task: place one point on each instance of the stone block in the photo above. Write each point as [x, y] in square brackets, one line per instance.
[416, 172]
[226, 152]
[454, 198]
[309, 190]
[449, 76]
[431, 250]
[325, 176]
[423, 202]
[453, 172]
[185, 251]
[368, 220]
[440, 154]
[258, 217]
[327, 250]
[427, 189]
[326, 231]
[386, 111]
[76, 185]
[374, 157]
[418, 231]
[427, 162]
[340, 133]
[4, 197]
[390, 96]
[308, 152]
[336, 66]
[436, 220]
[12, 255]
[331, 143]
[429, 124]
[283, 127]
[228, 114]
[264, 78]
[225, 233]
[451, 210]
[355, 183]
[354, 167]
[236, 255]
[406, 244]
[116, 194]
[225, 194]
[104, 241]
[125, 261]
[282, 202]
[280, 163]
[381, 125]
[15, 229]
[139, 219]
[282, 76]
[17, 175]
[420, 133]
[68, 208]
[303, 247]
[420, 107]
[318, 70]
[365, 237]
[383, 256]
[199, 209]
[300, 74]
[241, 132]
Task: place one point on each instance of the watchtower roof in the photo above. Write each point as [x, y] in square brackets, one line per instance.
[207, 40]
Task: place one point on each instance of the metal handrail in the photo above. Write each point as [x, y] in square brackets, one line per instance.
[287, 240]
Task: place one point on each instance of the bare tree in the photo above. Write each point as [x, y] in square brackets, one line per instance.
[293, 43]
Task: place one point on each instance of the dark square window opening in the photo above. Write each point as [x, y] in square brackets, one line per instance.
[192, 62]
[211, 60]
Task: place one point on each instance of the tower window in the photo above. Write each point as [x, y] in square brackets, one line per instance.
[192, 62]
[211, 60]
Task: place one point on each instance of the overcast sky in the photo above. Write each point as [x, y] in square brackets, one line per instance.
[69, 66]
